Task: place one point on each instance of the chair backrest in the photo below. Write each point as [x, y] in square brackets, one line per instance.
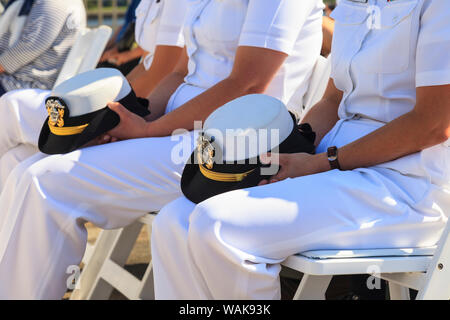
[85, 53]
[437, 279]
[301, 103]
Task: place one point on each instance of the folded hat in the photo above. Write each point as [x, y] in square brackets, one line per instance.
[232, 139]
[78, 111]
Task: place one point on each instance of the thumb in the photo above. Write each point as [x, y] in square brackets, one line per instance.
[269, 158]
[118, 108]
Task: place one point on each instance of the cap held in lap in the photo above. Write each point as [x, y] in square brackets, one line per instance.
[233, 138]
[78, 112]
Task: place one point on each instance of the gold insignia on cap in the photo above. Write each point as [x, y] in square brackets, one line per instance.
[205, 152]
[56, 112]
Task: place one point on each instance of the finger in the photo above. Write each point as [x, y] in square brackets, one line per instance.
[263, 182]
[274, 158]
[118, 108]
[281, 175]
[270, 158]
[114, 139]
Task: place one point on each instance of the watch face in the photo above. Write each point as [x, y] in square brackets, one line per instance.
[332, 153]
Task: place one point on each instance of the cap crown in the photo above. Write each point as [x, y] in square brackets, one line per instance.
[90, 91]
[248, 126]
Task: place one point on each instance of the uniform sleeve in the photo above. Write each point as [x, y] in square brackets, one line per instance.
[433, 46]
[275, 24]
[43, 25]
[170, 31]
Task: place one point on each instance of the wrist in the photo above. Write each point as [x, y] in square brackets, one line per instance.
[154, 129]
[148, 129]
[321, 162]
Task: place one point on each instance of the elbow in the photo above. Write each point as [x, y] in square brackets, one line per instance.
[430, 130]
[441, 134]
[248, 86]
[436, 134]
[256, 88]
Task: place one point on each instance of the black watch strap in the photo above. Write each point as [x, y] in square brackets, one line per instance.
[332, 154]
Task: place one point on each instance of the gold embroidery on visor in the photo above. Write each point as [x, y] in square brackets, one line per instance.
[67, 131]
[224, 177]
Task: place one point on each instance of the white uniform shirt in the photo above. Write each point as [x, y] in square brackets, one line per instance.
[159, 23]
[215, 28]
[382, 50]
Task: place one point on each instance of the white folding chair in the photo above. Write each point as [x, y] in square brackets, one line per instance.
[301, 103]
[85, 53]
[424, 269]
[104, 266]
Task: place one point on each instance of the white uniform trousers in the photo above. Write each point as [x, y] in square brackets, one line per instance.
[47, 199]
[231, 246]
[22, 114]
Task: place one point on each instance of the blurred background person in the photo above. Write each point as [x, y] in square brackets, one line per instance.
[122, 52]
[35, 39]
[23, 111]
[327, 27]
[329, 7]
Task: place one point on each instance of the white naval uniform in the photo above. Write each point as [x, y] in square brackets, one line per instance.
[230, 246]
[46, 200]
[22, 112]
[149, 31]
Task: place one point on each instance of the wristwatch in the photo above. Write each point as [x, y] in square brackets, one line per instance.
[332, 153]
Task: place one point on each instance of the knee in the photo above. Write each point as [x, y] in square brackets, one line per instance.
[205, 224]
[28, 173]
[8, 109]
[173, 219]
[17, 174]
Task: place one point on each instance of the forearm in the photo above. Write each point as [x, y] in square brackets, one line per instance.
[164, 62]
[322, 118]
[403, 136]
[161, 94]
[198, 109]
[324, 115]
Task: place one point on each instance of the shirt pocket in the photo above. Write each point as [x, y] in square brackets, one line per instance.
[392, 29]
[350, 18]
[146, 28]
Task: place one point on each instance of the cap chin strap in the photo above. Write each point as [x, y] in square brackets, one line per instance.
[67, 131]
[224, 177]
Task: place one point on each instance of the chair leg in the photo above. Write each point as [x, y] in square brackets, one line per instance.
[398, 292]
[147, 291]
[98, 255]
[122, 245]
[312, 287]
